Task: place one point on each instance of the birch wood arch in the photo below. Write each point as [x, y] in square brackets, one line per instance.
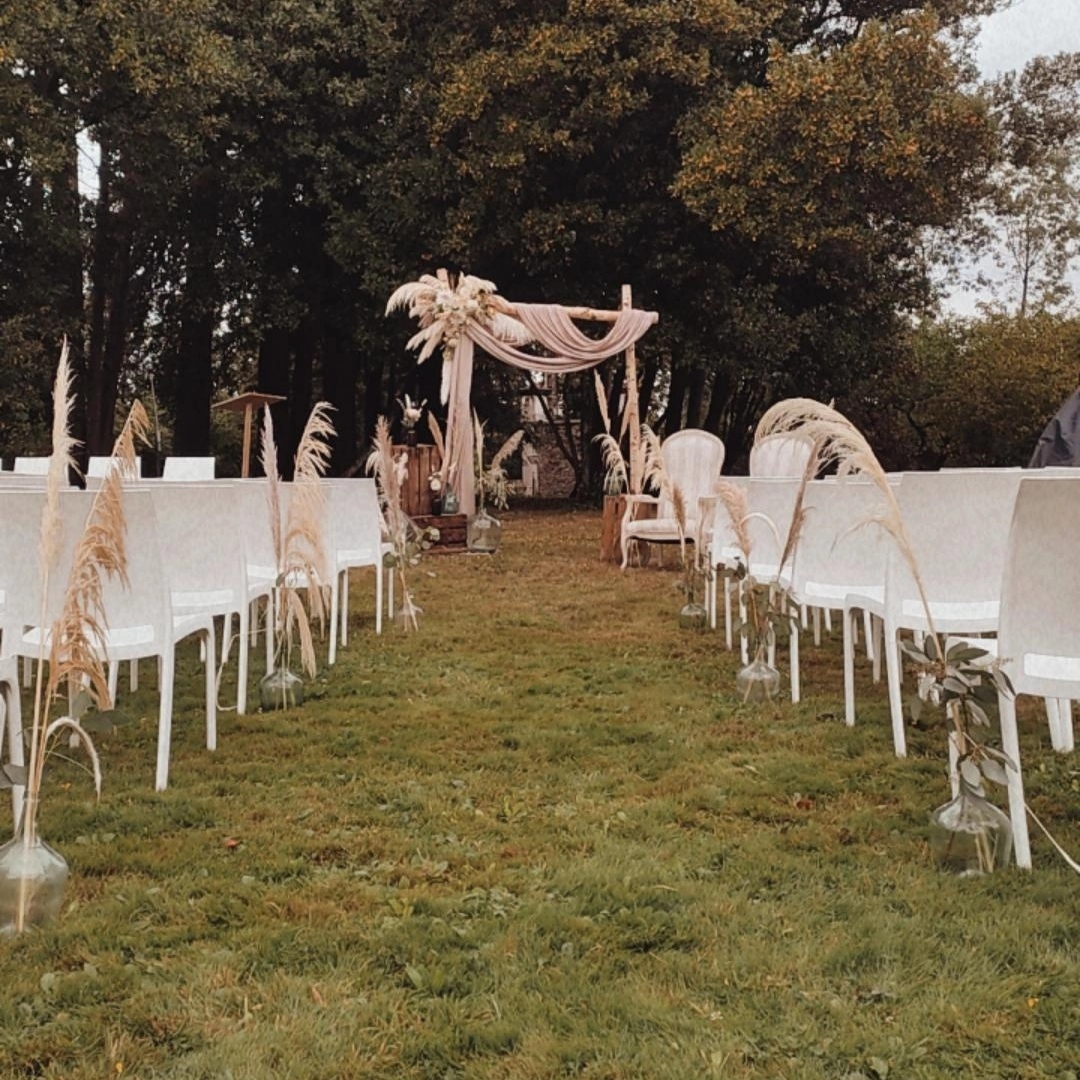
[457, 317]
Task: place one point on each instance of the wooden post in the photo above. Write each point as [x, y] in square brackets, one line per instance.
[245, 461]
[633, 422]
[247, 404]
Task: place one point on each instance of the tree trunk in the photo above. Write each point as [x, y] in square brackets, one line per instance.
[339, 389]
[274, 379]
[110, 280]
[680, 378]
[198, 317]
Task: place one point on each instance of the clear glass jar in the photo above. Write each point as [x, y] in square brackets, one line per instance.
[969, 835]
[758, 681]
[693, 616]
[485, 532]
[33, 879]
[281, 689]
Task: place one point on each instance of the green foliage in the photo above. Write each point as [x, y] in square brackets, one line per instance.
[970, 393]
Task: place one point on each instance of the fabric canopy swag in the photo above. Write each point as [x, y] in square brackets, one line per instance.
[458, 317]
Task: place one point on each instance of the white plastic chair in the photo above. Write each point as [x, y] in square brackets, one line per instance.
[11, 719]
[100, 467]
[780, 455]
[354, 539]
[958, 526]
[1039, 632]
[692, 459]
[32, 466]
[20, 531]
[203, 556]
[141, 622]
[188, 468]
[840, 553]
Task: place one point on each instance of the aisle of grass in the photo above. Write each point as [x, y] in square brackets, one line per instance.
[540, 839]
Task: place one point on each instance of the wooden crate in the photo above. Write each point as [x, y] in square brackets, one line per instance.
[453, 532]
[416, 490]
[611, 530]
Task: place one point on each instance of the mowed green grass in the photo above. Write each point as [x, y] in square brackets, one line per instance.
[540, 839]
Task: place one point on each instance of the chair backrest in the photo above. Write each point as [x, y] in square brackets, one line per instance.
[32, 466]
[780, 455]
[189, 468]
[140, 610]
[354, 528]
[839, 544]
[958, 524]
[771, 502]
[20, 577]
[24, 481]
[103, 466]
[693, 460]
[202, 548]
[253, 521]
[1039, 633]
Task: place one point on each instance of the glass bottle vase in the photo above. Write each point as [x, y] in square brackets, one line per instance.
[280, 689]
[693, 616]
[969, 835]
[485, 532]
[757, 681]
[33, 878]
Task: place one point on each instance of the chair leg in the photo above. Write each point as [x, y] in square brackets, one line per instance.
[343, 604]
[166, 673]
[1059, 717]
[793, 657]
[954, 761]
[828, 620]
[271, 616]
[113, 680]
[211, 690]
[727, 612]
[133, 676]
[744, 645]
[1010, 743]
[335, 600]
[893, 662]
[1065, 719]
[848, 617]
[27, 672]
[874, 646]
[817, 627]
[378, 598]
[243, 653]
[868, 632]
[12, 719]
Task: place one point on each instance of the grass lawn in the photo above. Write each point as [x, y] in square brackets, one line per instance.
[539, 839]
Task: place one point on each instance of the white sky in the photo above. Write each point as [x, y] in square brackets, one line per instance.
[1027, 29]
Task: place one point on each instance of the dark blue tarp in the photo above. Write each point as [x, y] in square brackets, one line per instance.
[1059, 444]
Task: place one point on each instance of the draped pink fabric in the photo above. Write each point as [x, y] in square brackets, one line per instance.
[553, 329]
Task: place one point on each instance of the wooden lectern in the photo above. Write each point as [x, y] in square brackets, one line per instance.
[247, 404]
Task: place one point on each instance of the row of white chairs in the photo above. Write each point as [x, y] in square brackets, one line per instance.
[175, 468]
[195, 552]
[994, 549]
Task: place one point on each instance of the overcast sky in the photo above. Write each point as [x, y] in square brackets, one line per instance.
[1028, 28]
